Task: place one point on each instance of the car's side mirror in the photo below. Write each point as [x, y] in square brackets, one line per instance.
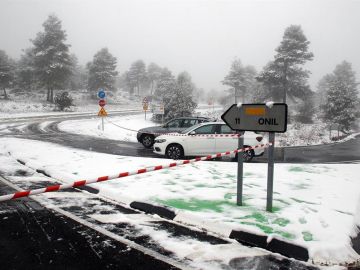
[192, 132]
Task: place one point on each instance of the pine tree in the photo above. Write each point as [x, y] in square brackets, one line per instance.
[284, 76]
[153, 74]
[137, 74]
[166, 83]
[52, 61]
[241, 78]
[178, 101]
[6, 72]
[25, 74]
[102, 72]
[306, 109]
[342, 96]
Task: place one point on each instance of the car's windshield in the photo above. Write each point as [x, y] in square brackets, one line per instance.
[190, 128]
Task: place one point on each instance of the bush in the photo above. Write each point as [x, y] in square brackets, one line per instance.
[63, 100]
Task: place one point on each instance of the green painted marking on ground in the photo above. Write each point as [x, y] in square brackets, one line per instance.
[200, 185]
[281, 222]
[299, 186]
[307, 236]
[302, 220]
[296, 169]
[257, 216]
[197, 205]
[264, 228]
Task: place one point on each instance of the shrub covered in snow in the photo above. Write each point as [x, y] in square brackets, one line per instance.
[63, 100]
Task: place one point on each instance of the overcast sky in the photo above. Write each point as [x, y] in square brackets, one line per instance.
[199, 36]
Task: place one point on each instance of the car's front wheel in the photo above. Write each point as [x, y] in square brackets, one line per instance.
[174, 151]
[147, 140]
[247, 155]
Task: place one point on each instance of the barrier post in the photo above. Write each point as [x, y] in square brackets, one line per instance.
[240, 170]
[270, 176]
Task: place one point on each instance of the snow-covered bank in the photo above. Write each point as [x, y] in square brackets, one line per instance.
[314, 205]
[117, 128]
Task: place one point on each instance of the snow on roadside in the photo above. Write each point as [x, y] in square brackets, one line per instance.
[314, 205]
[122, 128]
[116, 129]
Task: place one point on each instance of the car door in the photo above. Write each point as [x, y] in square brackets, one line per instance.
[201, 142]
[226, 143]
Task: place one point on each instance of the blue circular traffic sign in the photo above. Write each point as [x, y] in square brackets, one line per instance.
[101, 93]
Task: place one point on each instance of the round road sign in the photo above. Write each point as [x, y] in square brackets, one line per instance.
[102, 103]
[101, 93]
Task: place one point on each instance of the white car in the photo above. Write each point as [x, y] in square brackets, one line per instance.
[192, 142]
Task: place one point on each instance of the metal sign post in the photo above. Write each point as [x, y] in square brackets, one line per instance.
[145, 105]
[270, 117]
[240, 170]
[270, 175]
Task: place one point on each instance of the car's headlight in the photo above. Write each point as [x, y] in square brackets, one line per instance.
[160, 140]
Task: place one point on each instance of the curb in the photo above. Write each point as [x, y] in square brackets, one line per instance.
[271, 244]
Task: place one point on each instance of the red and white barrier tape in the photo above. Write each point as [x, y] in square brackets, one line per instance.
[177, 134]
[26, 193]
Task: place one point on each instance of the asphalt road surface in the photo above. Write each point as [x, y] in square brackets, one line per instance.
[32, 128]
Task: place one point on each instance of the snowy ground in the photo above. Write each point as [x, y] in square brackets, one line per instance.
[314, 205]
[124, 128]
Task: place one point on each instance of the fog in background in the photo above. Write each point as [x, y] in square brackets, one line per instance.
[201, 37]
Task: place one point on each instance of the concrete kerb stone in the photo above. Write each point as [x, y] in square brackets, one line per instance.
[272, 244]
[161, 211]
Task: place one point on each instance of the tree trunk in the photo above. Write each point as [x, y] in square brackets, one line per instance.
[152, 88]
[285, 90]
[48, 95]
[5, 94]
[51, 95]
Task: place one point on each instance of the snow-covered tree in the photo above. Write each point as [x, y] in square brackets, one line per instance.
[175, 94]
[25, 74]
[102, 72]
[306, 109]
[52, 61]
[242, 78]
[137, 74]
[6, 72]
[153, 75]
[341, 96]
[178, 101]
[284, 76]
[79, 77]
[166, 83]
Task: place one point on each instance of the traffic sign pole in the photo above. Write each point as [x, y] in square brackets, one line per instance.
[270, 175]
[240, 170]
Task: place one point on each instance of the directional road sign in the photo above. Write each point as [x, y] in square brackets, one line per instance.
[257, 117]
[101, 93]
